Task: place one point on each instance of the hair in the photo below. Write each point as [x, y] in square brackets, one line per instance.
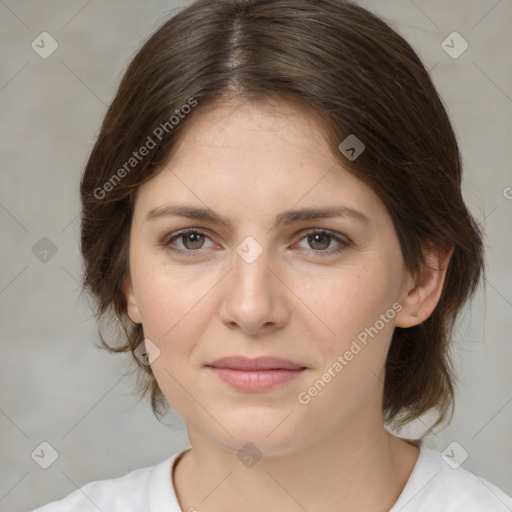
[348, 67]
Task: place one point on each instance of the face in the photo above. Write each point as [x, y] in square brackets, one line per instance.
[262, 276]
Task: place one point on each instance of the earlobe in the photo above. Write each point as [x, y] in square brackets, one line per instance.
[422, 293]
[132, 308]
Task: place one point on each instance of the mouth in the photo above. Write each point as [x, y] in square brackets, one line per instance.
[260, 374]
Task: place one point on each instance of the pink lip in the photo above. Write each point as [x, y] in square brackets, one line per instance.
[258, 374]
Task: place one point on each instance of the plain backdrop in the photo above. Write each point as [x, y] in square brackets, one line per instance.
[56, 386]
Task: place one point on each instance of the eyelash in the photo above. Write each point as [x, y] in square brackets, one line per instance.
[344, 244]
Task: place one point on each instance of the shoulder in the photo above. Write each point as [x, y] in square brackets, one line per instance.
[127, 493]
[435, 485]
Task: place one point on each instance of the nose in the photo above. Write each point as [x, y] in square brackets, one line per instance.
[256, 299]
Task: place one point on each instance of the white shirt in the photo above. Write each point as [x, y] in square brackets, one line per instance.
[432, 487]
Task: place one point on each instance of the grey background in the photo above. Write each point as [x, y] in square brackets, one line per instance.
[56, 385]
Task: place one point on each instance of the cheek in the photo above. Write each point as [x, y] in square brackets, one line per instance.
[353, 339]
[173, 310]
[358, 307]
[346, 302]
[170, 298]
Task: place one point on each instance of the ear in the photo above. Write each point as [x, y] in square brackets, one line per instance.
[131, 302]
[421, 294]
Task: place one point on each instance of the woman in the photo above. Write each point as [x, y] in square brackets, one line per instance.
[273, 213]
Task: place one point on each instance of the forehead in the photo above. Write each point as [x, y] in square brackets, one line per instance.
[241, 126]
[257, 157]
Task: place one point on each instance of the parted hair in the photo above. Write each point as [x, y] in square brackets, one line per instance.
[355, 72]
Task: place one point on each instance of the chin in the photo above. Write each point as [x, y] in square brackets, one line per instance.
[271, 431]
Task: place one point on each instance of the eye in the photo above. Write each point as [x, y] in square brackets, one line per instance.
[192, 240]
[320, 240]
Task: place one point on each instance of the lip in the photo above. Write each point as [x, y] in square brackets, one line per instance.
[259, 374]
[258, 363]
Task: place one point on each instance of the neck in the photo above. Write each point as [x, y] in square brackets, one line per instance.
[361, 470]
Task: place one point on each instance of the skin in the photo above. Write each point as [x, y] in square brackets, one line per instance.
[298, 300]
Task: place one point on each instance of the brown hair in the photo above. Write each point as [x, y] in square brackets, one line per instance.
[360, 77]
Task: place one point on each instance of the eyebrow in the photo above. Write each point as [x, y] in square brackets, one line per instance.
[286, 217]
